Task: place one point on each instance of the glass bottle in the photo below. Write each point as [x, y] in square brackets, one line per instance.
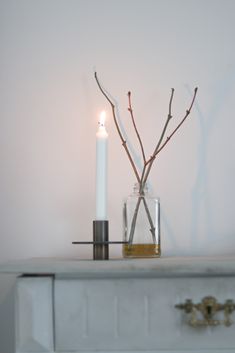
[141, 223]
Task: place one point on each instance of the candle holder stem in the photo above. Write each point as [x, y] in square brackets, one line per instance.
[101, 236]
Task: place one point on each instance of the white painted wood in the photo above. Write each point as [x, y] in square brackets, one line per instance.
[34, 315]
[165, 351]
[119, 306]
[136, 314]
[159, 351]
[162, 267]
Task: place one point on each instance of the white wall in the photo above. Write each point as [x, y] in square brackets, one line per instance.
[49, 104]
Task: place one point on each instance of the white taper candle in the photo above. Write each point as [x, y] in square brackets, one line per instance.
[101, 169]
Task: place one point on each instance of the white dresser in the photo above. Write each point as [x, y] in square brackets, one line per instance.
[74, 306]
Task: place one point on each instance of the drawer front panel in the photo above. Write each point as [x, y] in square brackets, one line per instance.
[137, 314]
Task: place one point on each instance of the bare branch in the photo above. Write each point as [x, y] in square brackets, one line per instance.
[157, 151]
[142, 179]
[118, 128]
[135, 127]
[169, 117]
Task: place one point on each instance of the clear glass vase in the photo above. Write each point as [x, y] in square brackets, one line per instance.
[141, 222]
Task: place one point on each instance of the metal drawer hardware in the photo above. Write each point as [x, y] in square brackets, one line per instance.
[207, 309]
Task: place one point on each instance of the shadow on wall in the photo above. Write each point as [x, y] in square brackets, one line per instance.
[201, 203]
[7, 332]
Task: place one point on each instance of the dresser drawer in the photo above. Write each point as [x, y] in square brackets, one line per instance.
[137, 314]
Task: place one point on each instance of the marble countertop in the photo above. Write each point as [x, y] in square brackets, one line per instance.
[159, 267]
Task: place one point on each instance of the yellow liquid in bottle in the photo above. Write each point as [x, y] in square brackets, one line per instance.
[141, 250]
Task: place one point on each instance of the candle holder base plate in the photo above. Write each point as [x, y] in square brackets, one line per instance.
[100, 240]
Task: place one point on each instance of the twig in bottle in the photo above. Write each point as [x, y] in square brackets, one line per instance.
[147, 163]
[143, 179]
[157, 150]
[152, 228]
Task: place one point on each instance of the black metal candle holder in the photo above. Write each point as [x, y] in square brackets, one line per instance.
[100, 240]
